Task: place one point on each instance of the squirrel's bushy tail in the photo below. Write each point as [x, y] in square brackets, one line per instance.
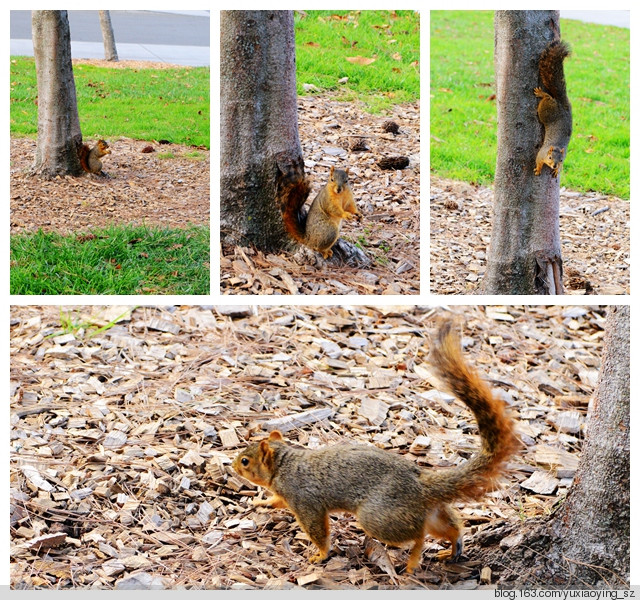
[480, 473]
[552, 70]
[293, 191]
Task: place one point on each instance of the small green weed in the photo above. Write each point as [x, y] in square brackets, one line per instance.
[70, 324]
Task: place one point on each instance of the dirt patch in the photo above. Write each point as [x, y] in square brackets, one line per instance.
[127, 64]
[140, 188]
[342, 134]
[594, 231]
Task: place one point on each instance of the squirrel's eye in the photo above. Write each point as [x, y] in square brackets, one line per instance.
[245, 462]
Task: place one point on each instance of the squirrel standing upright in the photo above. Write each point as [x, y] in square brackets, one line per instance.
[319, 228]
[393, 499]
[554, 109]
[90, 157]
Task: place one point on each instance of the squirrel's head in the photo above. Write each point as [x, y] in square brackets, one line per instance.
[339, 179]
[554, 159]
[104, 147]
[255, 462]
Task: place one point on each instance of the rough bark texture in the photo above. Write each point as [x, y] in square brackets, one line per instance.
[593, 526]
[59, 132]
[585, 543]
[108, 39]
[258, 122]
[524, 256]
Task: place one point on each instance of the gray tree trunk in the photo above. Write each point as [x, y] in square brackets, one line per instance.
[524, 255]
[59, 133]
[585, 543]
[258, 122]
[593, 525]
[109, 41]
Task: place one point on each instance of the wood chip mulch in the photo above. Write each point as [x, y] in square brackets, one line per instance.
[140, 188]
[342, 134]
[123, 423]
[594, 230]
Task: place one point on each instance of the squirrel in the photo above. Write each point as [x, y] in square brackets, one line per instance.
[318, 228]
[90, 157]
[393, 499]
[554, 109]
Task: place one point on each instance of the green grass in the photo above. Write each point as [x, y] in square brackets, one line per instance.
[463, 115]
[144, 104]
[325, 39]
[114, 260]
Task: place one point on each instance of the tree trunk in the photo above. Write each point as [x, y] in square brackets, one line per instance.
[524, 255]
[259, 122]
[585, 543]
[59, 133]
[109, 41]
[593, 525]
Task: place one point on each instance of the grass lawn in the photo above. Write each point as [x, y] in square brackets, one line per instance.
[144, 104]
[378, 51]
[463, 112]
[116, 260]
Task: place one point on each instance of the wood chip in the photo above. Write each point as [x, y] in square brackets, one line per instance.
[485, 575]
[290, 422]
[46, 542]
[541, 482]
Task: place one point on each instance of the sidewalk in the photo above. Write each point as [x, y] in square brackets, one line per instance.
[192, 56]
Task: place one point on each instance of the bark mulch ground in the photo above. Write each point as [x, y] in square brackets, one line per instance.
[594, 231]
[140, 188]
[343, 135]
[123, 424]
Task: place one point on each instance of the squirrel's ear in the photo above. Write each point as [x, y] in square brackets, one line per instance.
[331, 172]
[275, 436]
[266, 453]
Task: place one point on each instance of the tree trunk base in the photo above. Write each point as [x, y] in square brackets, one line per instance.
[344, 253]
[531, 555]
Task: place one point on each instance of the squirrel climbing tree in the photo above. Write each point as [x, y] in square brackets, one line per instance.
[534, 127]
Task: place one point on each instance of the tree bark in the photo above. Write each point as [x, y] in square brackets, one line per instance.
[585, 543]
[258, 122]
[108, 39]
[59, 133]
[593, 525]
[524, 255]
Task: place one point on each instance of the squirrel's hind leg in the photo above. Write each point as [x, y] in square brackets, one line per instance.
[444, 523]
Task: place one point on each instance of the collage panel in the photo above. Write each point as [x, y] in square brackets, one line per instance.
[324, 106]
[110, 169]
[530, 152]
[369, 438]
[203, 448]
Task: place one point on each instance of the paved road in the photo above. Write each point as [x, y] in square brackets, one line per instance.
[177, 37]
[619, 18]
